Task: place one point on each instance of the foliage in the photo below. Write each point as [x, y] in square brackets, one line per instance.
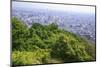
[25, 57]
[69, 51]
[40, 44]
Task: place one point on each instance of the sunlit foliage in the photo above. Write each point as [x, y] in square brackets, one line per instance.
[40, 44]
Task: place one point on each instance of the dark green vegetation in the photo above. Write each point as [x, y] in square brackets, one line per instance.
[41, 44]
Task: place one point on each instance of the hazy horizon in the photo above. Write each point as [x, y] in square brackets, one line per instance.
[54, 7]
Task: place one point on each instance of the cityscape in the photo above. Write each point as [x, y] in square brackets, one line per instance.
[45, 33]
[79, 23]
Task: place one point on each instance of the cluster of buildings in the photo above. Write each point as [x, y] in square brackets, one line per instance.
[80, 27]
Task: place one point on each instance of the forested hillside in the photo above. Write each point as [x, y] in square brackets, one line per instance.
[41, 44]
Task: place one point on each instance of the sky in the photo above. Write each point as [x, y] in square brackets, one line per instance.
[57, 7]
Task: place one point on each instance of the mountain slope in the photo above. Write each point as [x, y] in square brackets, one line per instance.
[42, 44]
